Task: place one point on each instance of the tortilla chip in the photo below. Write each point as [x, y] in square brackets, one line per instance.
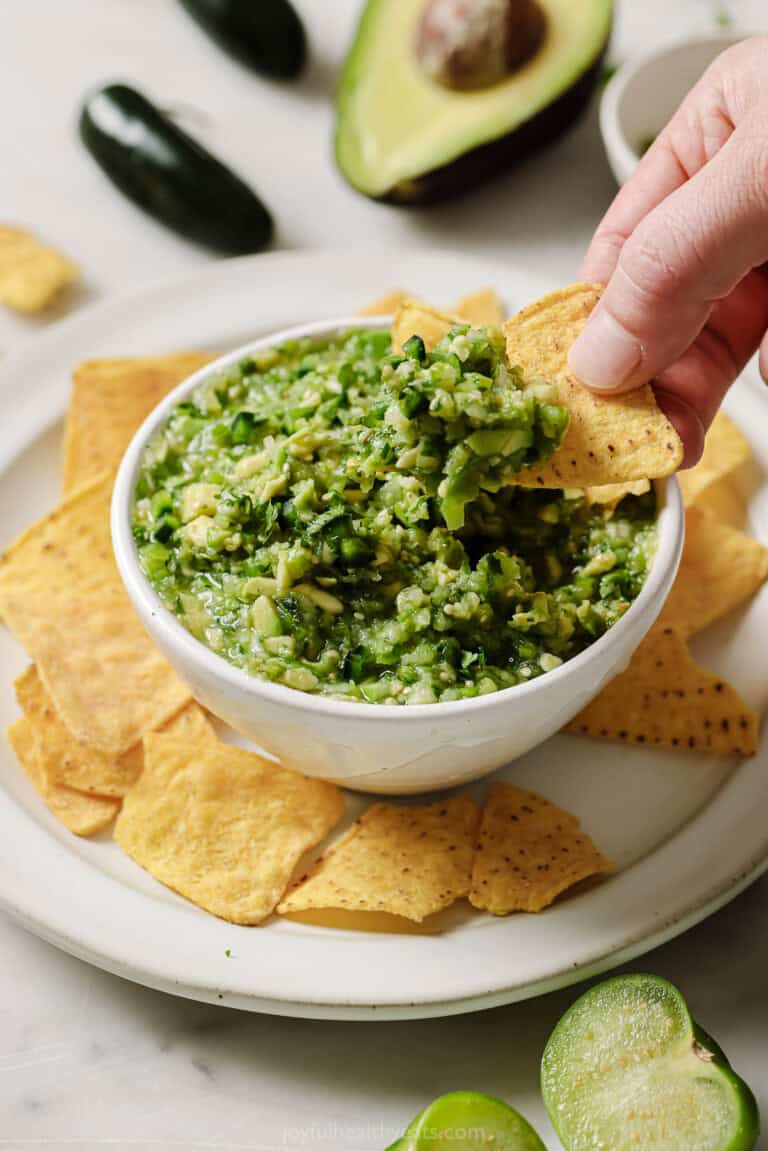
[610, 496]
[406, 860]
[480, 309]
[529, 851]
[724, 499]
[110, 400]
[719, 569]
[61, 596]
[31, 273]
[85, 768]
[81, 814]
[413, 318]
[222, 826]
[664, 699]
[725, 450]
[610, 439]
[191, 724]
[385, 305]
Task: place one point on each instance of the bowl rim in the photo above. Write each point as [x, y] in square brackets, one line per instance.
[611, 120]
[670, 535]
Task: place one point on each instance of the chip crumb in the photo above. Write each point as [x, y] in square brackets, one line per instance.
[222, 826]
[81, 814]
[665, 698]
[31, 273]
[529, 851]
[406, 859]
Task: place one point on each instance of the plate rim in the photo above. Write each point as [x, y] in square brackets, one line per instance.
[31, 423]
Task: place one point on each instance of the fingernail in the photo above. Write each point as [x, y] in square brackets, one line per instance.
[604, 355]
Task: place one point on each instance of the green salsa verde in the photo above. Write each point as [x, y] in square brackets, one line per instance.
[340, 519]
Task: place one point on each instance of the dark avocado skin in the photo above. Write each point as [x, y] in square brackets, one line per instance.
[168, 174]
[266, 35]
[483, 163]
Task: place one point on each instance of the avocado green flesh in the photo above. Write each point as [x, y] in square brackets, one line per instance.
[395, 125]
[344, 521]
[627, 1069]
[469, 1121]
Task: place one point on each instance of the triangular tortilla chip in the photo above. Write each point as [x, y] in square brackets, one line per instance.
[62, 597]
[726, 500]
[409, 860]
[610, 439]
[385, 305]
[31, 273]
[110, 400]
[413, 318]
[221, 825]
[78, 765]
[80, 814]
[719, 569]
[480, 309]
[528, 852]
[664, 699]
[725, 450]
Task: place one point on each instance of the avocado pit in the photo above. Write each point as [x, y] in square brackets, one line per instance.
[467, 45]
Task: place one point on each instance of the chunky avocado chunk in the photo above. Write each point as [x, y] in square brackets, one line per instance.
[413, 122]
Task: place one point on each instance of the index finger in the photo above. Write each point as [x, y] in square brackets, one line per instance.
[698, 130]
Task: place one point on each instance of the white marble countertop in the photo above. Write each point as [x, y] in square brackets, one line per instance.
[88, 1061]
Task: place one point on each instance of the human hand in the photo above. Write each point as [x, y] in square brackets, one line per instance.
[680, 250]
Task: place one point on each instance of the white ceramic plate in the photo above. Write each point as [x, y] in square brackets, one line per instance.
[686, 833]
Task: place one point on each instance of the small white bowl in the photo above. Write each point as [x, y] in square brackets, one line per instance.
[643, 94]
[372, 747]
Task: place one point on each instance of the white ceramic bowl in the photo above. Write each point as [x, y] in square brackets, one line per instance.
[370, 747]
[644, 93]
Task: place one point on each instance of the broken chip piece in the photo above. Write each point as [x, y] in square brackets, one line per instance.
[31, 273]
[222, 826]
[664, 699]
[62, 597]
[529, 851]
[409, 860]
[81, 814]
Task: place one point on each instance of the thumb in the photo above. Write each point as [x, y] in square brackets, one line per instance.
[683, 257]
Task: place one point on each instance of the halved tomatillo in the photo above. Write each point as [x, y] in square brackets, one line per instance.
[627, 1069]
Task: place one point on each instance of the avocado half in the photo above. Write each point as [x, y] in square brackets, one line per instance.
[405, 138]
